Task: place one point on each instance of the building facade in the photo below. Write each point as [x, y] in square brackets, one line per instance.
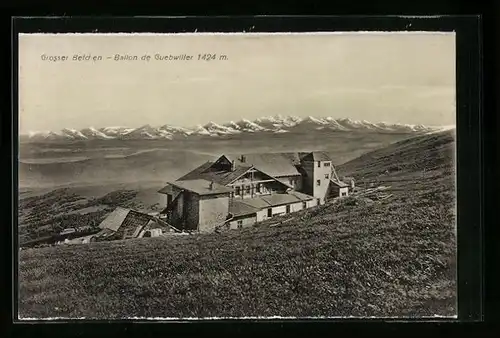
[238, 191]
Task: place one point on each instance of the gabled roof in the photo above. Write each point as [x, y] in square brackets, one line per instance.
[202, 187]
[133, 221]
[315, 156]
[194, 174]
[273, 164]
[122, 221]
[223, 177]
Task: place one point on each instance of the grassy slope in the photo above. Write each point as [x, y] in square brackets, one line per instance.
[351, 258]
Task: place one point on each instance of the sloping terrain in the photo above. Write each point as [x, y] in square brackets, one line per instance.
[433, 152]
[352, 257]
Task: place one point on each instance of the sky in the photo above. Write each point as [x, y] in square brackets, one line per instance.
[390, 77]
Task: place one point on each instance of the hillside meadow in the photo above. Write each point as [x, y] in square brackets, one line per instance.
[352, 257]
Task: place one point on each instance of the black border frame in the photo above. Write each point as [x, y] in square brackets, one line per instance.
[470, 181]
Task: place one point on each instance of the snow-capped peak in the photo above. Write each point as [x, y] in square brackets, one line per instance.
[233, 125]
[274, 123]
[250, 126]
[312, 119]
[73, 133]
[93, 132]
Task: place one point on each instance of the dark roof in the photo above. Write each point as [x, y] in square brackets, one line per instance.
[315, 156]
[194, 174]
[218, 176]
[202, 187]
[294, 158]
[166, 189]
[339, 183]
[122, 222]
[222, 177]
[273, 164]
[133, 221]
[240, 208]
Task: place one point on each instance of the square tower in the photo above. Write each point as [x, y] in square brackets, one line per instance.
[317, 167]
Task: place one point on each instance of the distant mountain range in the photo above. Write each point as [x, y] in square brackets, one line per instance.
[271, 124]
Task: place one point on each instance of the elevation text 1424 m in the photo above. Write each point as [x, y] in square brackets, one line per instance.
[128, 57]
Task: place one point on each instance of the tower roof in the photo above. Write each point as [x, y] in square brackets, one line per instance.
[315, 156]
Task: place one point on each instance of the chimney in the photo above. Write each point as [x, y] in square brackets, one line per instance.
[243, 159]
[211, 185]
[232, 166]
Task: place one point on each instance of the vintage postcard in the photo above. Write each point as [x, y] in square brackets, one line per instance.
[242, 175]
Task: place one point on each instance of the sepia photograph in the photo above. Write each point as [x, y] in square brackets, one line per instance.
[237, 175]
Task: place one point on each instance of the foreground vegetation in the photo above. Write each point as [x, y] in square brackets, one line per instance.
[48, 214]
[354, 257]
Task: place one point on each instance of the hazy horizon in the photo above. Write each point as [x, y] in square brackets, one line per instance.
[394, 78]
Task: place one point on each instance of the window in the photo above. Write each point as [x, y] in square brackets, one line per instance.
[257, 188]
[344, 194]
[270, 212]
[240, 224]
[318, 182]
[247, 190]
[292, 181]
[327, 176]
[319, 164]
[327, 164]
[319, 201]
[288, 209]
[304, 205]
[237, 191]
